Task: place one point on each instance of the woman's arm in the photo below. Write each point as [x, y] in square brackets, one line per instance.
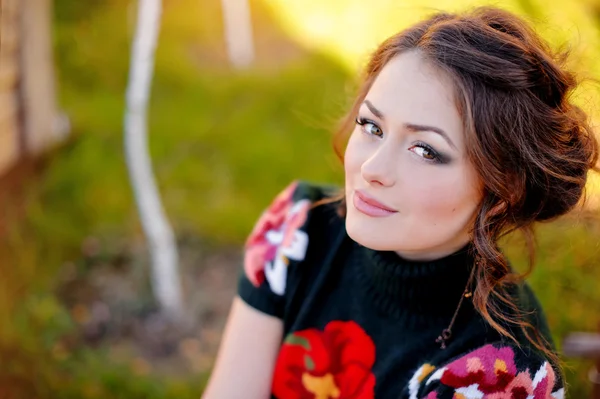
[246, 359]
[253, 335]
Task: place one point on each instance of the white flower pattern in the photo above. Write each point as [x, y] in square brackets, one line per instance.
[290, 245]
[277, 239]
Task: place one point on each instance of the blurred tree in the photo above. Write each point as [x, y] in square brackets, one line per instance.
[238, 32]
[163, 250]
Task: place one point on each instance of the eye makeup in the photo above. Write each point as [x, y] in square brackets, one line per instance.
[420, 148]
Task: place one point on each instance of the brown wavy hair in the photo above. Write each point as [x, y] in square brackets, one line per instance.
[532, 147]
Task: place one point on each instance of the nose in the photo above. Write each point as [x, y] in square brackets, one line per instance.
[378, 169]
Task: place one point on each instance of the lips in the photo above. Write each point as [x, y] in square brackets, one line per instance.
[370, 206]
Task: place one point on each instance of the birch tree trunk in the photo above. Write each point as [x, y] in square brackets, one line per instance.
[163, 250]
[238, 32]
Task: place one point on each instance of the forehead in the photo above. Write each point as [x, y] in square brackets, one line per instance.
[411, 90]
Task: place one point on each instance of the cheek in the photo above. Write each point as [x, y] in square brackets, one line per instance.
[452, 195]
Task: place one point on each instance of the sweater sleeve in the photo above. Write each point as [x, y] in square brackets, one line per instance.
[279, 241]
[495, 371]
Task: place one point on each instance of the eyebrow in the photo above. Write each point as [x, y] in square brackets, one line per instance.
[411, 126]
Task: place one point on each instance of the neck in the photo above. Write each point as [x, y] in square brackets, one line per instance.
[433, 253]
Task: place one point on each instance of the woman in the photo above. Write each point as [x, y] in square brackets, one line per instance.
[396, 288]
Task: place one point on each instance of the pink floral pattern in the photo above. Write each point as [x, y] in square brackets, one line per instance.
[489, 373]
[275, 239]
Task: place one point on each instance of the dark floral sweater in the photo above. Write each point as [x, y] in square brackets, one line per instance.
[362, 324]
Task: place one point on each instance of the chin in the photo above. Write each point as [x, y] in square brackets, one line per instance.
[357, 232]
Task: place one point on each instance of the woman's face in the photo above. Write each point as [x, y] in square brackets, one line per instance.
[409, 185]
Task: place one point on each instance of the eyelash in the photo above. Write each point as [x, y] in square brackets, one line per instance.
[437, 158]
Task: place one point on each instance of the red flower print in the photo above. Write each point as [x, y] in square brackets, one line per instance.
[333, 363]
[491, 373]
[277, 233]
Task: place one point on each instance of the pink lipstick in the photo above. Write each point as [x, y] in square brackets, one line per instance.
[370, 206]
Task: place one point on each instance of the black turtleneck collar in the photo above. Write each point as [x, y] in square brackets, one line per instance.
[422, 293]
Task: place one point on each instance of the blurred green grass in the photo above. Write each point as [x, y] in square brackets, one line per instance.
[223, 144]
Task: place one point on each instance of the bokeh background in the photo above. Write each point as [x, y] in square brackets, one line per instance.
[77, 314]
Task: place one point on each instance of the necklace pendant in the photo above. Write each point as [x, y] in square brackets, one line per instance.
[445, 336]
[441, 341]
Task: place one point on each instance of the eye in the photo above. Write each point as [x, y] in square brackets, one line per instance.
[369, 127]
[426, 152]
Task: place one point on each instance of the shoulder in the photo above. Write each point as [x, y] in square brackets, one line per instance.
[497, 370]
[530, 309]
[282, 234]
